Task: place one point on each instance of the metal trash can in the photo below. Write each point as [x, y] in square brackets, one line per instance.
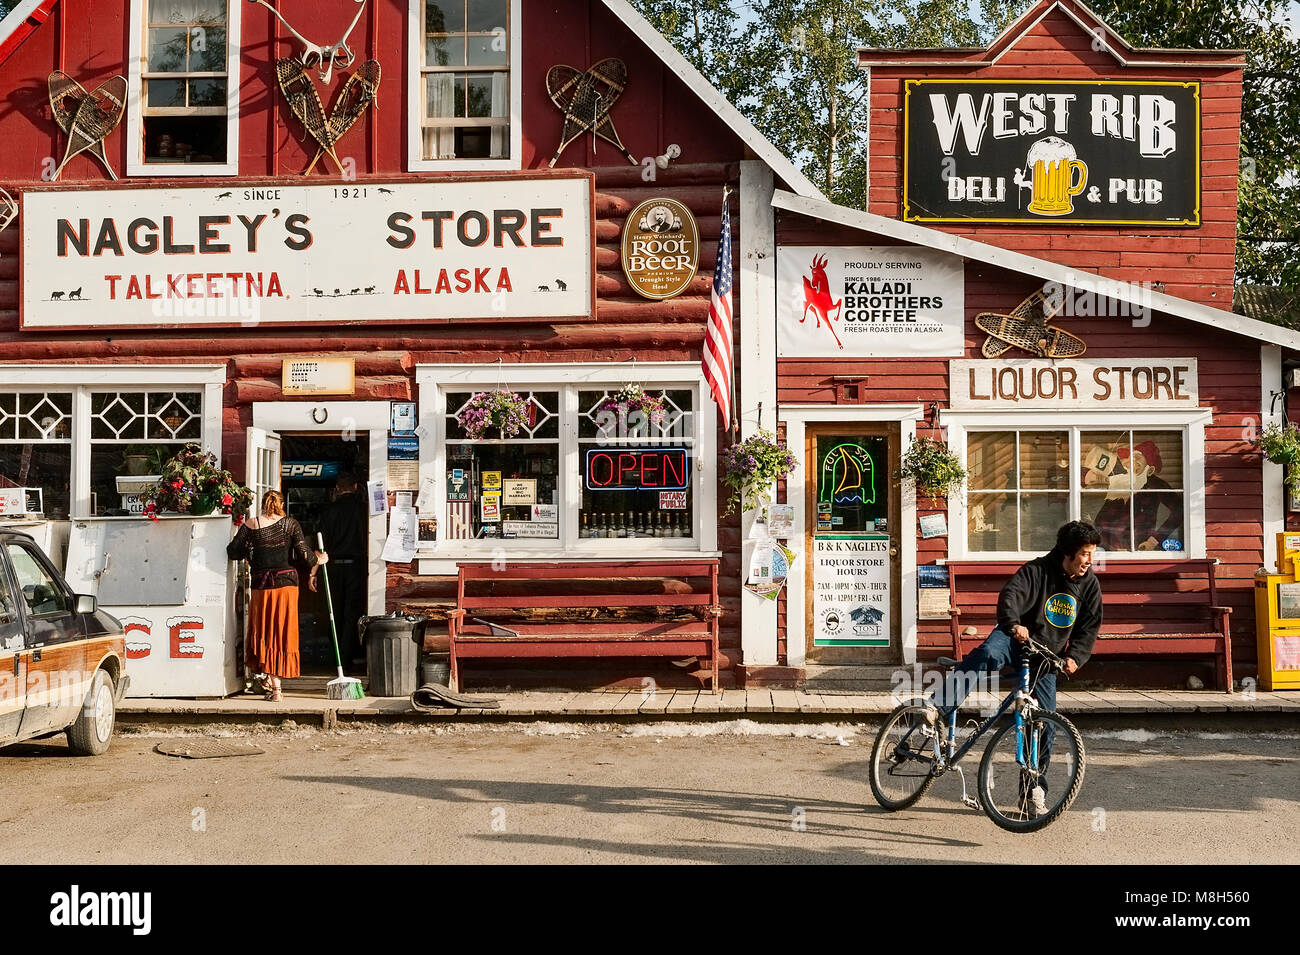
[392, 655]
[435, 668]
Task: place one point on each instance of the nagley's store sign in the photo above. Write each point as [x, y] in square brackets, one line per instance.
[1052, 151]
[1042, 384]
[510, 249]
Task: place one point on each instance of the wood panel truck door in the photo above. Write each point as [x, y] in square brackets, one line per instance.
[13, 659]
[58, 671]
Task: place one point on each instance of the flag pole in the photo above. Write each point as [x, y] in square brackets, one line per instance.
[735, 395]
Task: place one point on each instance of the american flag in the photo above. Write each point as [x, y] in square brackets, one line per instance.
[717, 341]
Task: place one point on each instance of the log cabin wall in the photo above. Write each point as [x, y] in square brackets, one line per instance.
[89, 39]
[1229, 383]
[1194, 263]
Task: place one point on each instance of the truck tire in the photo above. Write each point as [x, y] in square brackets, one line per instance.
[93, 729]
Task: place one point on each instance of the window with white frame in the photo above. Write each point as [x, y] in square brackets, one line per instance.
[586, 475]
[464, 83]
[1023, 483]
[74, 443]
[36, 446]
[184, 79]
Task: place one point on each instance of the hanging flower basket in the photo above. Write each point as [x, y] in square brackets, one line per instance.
[633, 399]
[505, 412]
[192, 483]
[933, 466]
[751, 467]
[1281, 445]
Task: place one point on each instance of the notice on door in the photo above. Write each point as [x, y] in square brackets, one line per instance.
[850, 605]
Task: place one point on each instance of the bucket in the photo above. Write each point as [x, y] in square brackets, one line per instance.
[435, 668]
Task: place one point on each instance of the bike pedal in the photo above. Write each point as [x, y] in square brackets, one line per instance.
[971, 802]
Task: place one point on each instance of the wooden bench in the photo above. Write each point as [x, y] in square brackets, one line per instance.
[491, 622]
[1147, 609]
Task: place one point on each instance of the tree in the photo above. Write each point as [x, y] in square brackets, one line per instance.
[1268, 213]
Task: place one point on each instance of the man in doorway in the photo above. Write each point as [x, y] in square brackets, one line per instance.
[345, 526]
[1056, 599]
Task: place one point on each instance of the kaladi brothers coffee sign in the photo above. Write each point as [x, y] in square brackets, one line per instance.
[1045, 151]
[868, 301]
[509, 249]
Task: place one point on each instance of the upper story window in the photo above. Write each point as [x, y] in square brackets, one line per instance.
[464, 84]
[183, 110]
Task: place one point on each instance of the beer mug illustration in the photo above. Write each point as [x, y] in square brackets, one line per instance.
[1052, 163]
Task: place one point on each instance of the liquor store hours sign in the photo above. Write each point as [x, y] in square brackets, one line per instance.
[1097, 152]
[507, 249]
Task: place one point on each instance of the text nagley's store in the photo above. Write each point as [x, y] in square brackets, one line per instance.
[1041, 283]
[311, 267]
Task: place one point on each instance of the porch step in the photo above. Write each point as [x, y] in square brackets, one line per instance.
[850, 678]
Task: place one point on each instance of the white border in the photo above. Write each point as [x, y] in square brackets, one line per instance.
[435, 380]
[1274, 514]
[796, 418]
[758, 630]
[1192, 422]
[14, 19]
[135, 164]
[372, 417]
[415, 98]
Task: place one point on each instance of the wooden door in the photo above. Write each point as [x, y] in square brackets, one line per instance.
[852, 536]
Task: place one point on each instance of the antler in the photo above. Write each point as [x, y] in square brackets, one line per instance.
[323, 55]
[819, 262]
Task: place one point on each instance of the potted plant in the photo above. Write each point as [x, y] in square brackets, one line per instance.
[192, 483]
[142, 459]
[933, 466]
[503, 411]
[1281, 445]
[751, 467]
[633, 398]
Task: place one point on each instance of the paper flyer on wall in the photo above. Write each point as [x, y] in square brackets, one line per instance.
[425, 502]
[403, 528]
[769, 567]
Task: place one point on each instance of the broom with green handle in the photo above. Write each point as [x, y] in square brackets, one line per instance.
[345, 687]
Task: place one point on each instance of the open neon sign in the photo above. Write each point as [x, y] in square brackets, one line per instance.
[637, 469]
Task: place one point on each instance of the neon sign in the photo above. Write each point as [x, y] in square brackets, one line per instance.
[637, 469]
[848, 476]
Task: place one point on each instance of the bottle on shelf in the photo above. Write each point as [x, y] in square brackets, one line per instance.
[649, 528]
[619, 529]
[677, 527]
[586, 531]
[638, 525]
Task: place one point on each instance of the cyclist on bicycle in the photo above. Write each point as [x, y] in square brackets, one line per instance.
[1055, 599]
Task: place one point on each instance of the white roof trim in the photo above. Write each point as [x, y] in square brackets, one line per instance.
[9, 25]
[709, 95]
[1039, 268]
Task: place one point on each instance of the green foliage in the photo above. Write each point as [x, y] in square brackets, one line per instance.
[192, 483]
[936, 470]
[751, 467]
[1281, 445]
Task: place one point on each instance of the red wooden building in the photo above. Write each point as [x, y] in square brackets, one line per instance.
[122, 338]
[443, 246]
[1059, 162]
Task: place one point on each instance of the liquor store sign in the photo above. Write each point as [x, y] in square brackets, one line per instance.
[507, 249]
[1042, 384]
[1045, 151]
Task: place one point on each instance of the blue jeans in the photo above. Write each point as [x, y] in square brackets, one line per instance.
[995, 653]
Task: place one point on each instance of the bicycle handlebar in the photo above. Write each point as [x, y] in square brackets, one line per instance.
[1056, 662]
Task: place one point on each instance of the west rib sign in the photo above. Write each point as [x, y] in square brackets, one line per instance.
[1101, 152]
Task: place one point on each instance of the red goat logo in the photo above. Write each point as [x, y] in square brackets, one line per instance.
[817, 296]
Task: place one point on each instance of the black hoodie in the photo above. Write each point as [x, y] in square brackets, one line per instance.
[1057, 610]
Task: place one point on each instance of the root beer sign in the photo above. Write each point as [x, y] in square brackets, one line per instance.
[507, 249]
[1101, 152]
[661, 248]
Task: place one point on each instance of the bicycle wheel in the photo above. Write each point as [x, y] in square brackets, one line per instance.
[1006, 787]
[902, 760]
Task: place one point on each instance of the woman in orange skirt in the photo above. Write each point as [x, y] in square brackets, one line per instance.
[272, 543]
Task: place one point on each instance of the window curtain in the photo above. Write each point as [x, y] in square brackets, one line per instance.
[440, 102]
[501, 107]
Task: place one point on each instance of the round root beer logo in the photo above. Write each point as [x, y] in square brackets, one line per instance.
[661, 248]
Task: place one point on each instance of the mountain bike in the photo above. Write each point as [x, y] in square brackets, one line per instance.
[1032, 769]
